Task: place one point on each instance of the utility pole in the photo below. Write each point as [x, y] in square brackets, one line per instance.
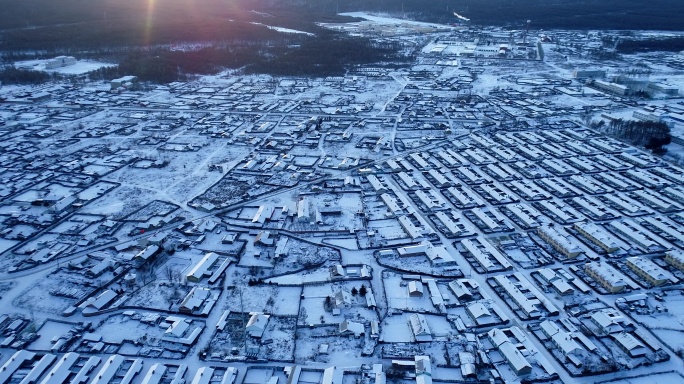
[242, 316]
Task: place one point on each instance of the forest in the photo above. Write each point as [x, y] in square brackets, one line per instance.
[652, 135]
[670, 44]
[314, 56]
[11, 75]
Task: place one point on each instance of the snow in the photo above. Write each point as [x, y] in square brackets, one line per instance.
[396, 329]
[284, 30]
[48, 331]
[7, 244]
[79, 68]
[664, 377]
[379, 19]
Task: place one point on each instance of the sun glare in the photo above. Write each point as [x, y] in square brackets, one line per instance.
[149, 22]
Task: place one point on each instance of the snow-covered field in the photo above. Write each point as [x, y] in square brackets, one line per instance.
[79, 68]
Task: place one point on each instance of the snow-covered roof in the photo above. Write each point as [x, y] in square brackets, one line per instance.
[257, 324]
[348, 326]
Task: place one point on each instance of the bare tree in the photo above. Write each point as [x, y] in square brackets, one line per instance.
[169, 273]
[303, 316]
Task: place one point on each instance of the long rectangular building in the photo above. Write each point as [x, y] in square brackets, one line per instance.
[610, 278]
[431, 200]
[109, 370]
[558, 187]
[657, 202]
[676, 192]
[526, 296]
[201, 269]
[647, 179]
[666, 228]
[610, 161]
[588, 184]
[597, 235]
[486, 255]
[625, 204]
[675, 258]
[377, 185]
[638, 235]
[529, 190]
[560, 211]
[650, 271]
[525, 214]
[566, 244]
[455, 223]
[463, 198]
[14, 363]
[62, 370]
[593, 208]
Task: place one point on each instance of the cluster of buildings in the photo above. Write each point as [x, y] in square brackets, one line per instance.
[447, 215]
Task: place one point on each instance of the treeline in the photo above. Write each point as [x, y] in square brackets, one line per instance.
[330, 54]
[164, 66]
[11, 75]
[96, 36]
[325, 56]
[653, 135]
[670, 44]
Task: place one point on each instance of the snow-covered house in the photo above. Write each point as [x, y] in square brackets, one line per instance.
[348, 327]
[102, 301]
[420, 328]
[147, 253]
[467, 361]
[342, 299]
[375, 329]
[101, 267]
[480, 314]
[179, 331]
[415, 288]
[630, 344]
[515, 359]
[201, 269]
[609, 321]
[194, 299]
[423, 370]
[256, 326]
[337, 272]
[264, 238]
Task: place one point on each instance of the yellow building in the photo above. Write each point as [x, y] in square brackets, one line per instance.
[564, 244]
[675, 258]
[610, 278]
[597, 235]
[650, 271]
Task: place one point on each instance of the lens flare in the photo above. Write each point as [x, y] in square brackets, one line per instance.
[149, 22]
